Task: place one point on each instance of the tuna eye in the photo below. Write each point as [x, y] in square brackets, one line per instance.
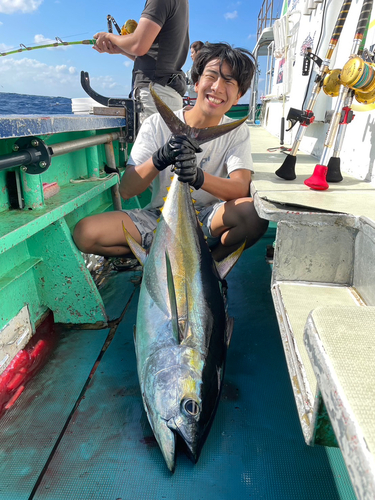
[191, 407]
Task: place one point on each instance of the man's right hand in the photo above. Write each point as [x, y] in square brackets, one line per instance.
[175, 146]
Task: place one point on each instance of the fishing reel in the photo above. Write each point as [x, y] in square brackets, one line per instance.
[128, 28]
[358, 74]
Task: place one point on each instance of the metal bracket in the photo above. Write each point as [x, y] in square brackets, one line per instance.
[31, 153]
[131, 106]
[305, 118]
[346, 116]
[306, 62]
[316, 59]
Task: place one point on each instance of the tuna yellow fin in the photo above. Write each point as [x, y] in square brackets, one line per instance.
[138, 251]
[224, 266]
[172, 297]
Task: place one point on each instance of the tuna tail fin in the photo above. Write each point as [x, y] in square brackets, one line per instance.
[201, 135]
[172, 297]
[139, 252]
[224, 266]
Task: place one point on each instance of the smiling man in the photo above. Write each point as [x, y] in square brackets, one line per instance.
[219, 170]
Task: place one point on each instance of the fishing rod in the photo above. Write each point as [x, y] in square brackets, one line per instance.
[318, 180]
[360, 88]
[305, 118]
[58, 43]
[128, 28]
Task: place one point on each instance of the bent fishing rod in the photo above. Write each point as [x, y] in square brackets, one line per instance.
[318, 180]
[58, 43]
[287, 169]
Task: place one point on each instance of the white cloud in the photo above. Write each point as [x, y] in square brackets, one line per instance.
[1, 23]
[103, 82]
[10, 6]
[252, 35]
[5, 48]
[41, 40]
[231, 15]
[29, 76]
[128, 63]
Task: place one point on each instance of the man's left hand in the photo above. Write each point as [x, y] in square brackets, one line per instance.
[187, 170]
[186, 167]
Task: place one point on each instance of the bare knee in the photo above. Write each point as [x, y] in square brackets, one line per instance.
[257, 225]
[245, 223]
[84, 235]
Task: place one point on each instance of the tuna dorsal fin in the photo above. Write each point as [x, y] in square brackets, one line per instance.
[176, 126]
[172, 297]
[139, 252]
[224, 266]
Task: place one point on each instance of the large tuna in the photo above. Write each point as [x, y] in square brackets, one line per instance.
[183, 329]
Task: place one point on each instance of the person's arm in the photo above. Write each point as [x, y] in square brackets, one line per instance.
[132, 45]
[237, 186]
[137, 179]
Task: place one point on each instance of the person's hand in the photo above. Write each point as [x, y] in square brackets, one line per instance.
[186, 167]
[187, 170]
[167, 155]
[104, 45]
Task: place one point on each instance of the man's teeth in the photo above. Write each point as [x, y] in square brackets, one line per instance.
[213, 100]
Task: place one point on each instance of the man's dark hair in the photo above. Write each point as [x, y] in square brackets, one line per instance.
[196, 45]
[240, 60]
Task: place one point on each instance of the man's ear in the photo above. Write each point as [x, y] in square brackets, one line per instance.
[196, 86]
[238, 98]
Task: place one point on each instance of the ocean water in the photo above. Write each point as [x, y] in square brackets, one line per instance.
[23, 104]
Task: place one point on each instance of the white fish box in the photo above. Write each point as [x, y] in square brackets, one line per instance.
[84, 105]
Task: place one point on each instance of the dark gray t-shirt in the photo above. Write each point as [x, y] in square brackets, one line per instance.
[163, 62]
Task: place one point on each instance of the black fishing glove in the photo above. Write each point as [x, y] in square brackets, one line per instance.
[187, 170]
[168, 153]
[186, 167]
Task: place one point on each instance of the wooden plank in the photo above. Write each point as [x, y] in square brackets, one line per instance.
[108, 111]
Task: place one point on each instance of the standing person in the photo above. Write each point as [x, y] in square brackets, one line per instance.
[158, 47]
[194, 48]
[219, 171]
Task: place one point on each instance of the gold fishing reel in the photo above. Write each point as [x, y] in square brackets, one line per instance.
[129, 27]
[359, 75]
[331, 83]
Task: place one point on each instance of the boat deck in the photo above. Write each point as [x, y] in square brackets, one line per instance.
[79, 431]
[350, 196]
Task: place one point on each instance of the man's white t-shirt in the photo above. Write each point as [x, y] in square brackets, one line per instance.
[219, 157]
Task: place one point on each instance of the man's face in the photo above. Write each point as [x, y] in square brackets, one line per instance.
[217, 91]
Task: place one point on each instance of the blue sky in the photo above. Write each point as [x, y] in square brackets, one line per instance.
[56, 72]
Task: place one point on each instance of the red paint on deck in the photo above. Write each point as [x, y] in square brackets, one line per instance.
[27, 363]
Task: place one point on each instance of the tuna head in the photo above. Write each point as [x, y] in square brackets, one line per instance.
[181, 395]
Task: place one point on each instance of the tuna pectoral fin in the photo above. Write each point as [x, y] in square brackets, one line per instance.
[176, 126]
[139, 252]
[172, 297]
[224, 266]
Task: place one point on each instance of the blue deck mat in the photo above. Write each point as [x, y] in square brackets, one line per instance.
[255, 448]
[30, 429]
